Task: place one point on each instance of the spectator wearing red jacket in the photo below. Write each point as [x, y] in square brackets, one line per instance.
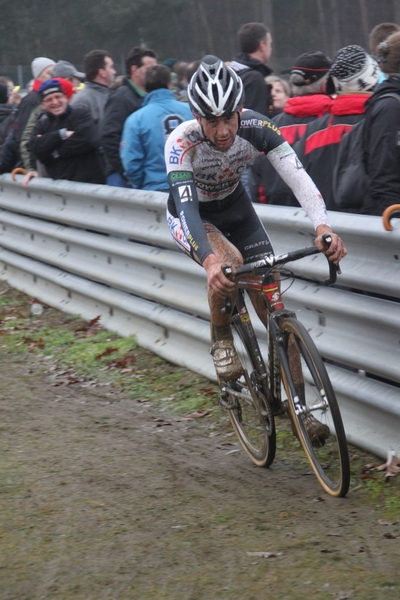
[352, 79]
[308, 79]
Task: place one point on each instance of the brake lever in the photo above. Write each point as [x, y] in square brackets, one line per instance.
[228, 272]
[334, 269]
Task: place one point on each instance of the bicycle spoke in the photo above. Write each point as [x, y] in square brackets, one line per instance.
[314, 411]
[248, 411]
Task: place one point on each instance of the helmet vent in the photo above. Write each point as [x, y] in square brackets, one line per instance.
[215, 90]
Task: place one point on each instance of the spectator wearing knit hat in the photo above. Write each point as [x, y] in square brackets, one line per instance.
[382, 133]
[64, 138]
[32, 166]
[352, 79]
[41, 68]
[308, 78]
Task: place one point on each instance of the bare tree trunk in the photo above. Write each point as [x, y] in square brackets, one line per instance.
[335, 39]
[396, 10]
[267, 14]
[325, 45]
[231, 32]
[364, 22]
[206, 28]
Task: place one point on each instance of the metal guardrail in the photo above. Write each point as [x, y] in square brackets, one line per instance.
[94, 250]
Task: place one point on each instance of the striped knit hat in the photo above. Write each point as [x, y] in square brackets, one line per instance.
[353, 70]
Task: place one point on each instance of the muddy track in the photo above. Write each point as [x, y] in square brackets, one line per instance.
[102, 497]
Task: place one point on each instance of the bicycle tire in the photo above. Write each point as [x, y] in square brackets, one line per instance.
[249, 411]
[330, 460]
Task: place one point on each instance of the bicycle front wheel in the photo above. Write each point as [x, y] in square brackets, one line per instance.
[249, 410]
[314, 410]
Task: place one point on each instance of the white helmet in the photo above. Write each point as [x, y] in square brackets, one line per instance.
[215, 90]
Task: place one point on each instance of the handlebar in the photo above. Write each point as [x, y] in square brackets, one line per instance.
[388, 213]
[17, 170]
[281, 259]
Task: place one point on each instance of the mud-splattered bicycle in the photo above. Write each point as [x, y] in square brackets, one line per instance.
[293, 365]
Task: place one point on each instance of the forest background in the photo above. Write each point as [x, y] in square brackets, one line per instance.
[182, 29]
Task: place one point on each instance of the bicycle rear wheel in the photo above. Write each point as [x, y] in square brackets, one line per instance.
[248, 408]
[314, 398]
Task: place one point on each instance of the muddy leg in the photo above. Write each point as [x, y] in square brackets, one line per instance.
[227, 364]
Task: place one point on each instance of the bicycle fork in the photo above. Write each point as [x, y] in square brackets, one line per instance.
[280, 345]
[297, 391]
[258, 374]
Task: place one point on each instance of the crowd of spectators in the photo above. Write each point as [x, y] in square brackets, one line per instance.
[94, 127]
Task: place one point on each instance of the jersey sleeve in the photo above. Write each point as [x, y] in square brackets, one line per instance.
[286, 162]
[184, 193]
[266, 137]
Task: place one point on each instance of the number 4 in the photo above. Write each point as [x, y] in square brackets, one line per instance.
[185, 193]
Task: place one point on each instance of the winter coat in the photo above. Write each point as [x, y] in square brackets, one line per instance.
[298, 112]
[382, 148]
[144, 136]
[93, 97]
[122, 103]
[318, 148]
[265, 184]
[257, 94]
[11, 151]
[7, 118]
[74, 158]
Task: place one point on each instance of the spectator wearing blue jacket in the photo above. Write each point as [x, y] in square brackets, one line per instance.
[146, 130]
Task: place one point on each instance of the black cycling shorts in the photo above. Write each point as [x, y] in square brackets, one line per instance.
[235, 218]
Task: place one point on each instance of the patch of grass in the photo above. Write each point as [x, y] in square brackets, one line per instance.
[384, 493]
[67, 343]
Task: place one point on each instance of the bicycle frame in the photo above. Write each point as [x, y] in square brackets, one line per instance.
[270, 377]
[266, 284]
[254, 399]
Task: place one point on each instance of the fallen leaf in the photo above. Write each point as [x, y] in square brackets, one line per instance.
[343, 595]
[265, 554]
[122, 363]
[383, 522]
[107, 351]
[206, 391]
[196, 415]
[389, 536]
[94, 323]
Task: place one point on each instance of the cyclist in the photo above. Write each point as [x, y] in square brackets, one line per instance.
[210, 216]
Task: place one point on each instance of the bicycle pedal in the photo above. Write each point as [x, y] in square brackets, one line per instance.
[280, 409]
[225, 401]
[226, 404]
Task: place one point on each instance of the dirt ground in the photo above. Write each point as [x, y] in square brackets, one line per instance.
[105, 497]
